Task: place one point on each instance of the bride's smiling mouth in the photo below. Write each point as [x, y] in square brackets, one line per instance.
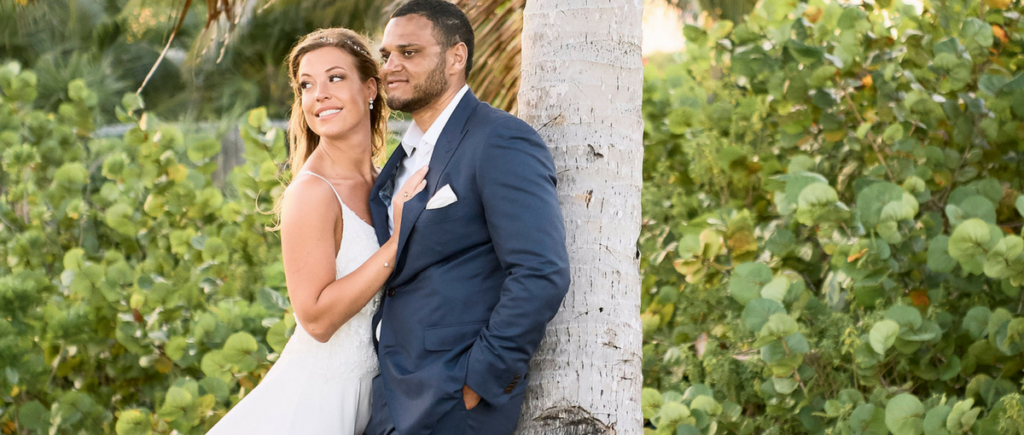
[327, 112]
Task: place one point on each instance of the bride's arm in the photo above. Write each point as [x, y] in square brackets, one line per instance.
[323, 304]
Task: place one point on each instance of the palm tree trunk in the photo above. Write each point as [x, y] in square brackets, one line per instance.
[582, 83]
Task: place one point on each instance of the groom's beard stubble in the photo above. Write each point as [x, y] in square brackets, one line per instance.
[423, 93]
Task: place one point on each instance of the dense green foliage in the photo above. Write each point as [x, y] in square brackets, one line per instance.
[113, 44]
[135, 297]
[832, 218]
[831, 243]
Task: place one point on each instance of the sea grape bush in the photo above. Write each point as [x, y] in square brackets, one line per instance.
[135, 296]
[832, 222]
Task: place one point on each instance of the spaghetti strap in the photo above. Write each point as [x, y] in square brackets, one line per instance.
[343, 206]
[329, 184]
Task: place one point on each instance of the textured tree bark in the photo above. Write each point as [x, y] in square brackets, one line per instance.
[582, 88]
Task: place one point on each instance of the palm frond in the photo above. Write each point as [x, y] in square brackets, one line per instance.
[498, 53]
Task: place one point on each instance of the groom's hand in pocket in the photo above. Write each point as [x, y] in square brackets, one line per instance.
[470, 397]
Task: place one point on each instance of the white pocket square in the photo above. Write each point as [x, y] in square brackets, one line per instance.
[442, 198]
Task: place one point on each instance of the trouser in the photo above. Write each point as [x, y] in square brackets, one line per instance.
[482, 419]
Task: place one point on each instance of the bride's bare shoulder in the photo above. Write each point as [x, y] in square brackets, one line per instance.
[308, 200]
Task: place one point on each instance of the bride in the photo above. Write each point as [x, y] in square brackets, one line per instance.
[333, 263]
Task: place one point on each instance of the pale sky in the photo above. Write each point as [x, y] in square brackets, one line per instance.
[663, 25]
[663, 28]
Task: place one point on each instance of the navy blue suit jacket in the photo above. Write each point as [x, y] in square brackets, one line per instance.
[475, 282]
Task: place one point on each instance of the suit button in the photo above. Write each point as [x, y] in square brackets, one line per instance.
[391, 292]
[508, 390]
[516, 378]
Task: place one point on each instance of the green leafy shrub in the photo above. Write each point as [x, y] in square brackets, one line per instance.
[832, 222]
[135, 297]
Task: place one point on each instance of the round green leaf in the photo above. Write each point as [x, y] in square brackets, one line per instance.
[687, 429]
[883, 335]
[779, 325]
[175, 348]
[758, 311]
[238, 346]
[672, 414]
[72, 175]
[695, 391]
[906, 316]
[896, 211]
[980, 207]
[650, 402]
[927, 332]
[1009, 337]
[903, 415]
[33, 415]
[74, 259]
[746, 281]
[214, 249]
[133, 422]
[201, 150]
[935, 420]
[872, 199]
[814, 201]
[969, 243]
[707, 404]
[997, 320]
[976, 322]
[868, 419]
[177, 398]
[213, 365]
[119, 217]
[258, 117]
[280, 332]
[939, 260]
[962, 417]
[1005, 260]
[784, 386]
[215, 386]
[776, 289]
[797, 343]
[978, 32]
[950, 369]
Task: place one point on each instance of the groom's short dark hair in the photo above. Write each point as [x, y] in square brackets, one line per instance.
[450, 24]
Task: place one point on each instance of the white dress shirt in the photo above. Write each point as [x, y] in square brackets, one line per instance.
[419, 146]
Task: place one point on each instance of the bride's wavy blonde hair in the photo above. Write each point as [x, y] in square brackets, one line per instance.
[302, 140]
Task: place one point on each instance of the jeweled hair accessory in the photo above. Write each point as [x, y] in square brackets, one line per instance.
[356, 47]
[323, 39]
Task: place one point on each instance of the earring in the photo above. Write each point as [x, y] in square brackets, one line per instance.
[371, 104]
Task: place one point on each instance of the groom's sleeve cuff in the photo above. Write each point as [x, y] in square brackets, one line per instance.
[491, 378]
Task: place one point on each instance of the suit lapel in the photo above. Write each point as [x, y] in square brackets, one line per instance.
[451, 136]
[378, 206]
[443, 152]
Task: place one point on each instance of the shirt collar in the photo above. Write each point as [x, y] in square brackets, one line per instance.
[414, 136]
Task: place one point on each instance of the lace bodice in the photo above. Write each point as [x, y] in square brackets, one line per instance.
[349, 352]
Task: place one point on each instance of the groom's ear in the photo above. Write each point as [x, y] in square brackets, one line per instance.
[456, 59]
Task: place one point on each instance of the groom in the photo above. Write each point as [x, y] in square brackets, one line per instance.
[482, 265]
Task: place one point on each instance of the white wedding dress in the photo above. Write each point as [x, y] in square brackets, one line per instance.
[318, 388]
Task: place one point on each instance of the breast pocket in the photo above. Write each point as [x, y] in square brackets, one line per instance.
[452, 211]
